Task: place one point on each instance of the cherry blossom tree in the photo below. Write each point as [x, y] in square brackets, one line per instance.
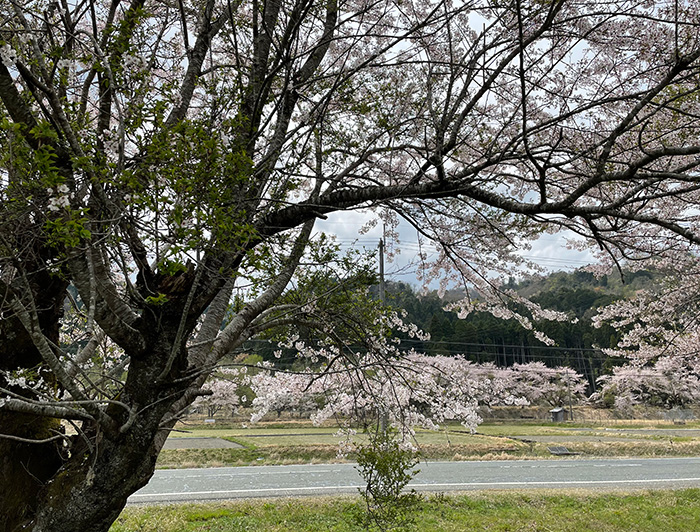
[660, 341]
[222, 392]
[413, 390]
[539, 384]
[163, 163]
[406, 389]
[668, 384]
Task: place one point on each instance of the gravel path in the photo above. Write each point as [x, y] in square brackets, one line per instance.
[200, 443]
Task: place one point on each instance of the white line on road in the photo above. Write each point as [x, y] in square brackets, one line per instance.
[557, 482]
[256, 474]
[428, 486]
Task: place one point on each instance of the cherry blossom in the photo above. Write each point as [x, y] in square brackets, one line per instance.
[163, 165]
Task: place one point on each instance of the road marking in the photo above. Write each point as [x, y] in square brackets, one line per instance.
[550, 482]
[254, 474]
[445, 485]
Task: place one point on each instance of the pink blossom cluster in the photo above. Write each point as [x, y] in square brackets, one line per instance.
[412, 390]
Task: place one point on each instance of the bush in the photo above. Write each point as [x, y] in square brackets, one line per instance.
[387, 466]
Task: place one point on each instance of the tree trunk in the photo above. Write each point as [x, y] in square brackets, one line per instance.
[91, 490]
[26, 467]
[90, 496]
[82, 482]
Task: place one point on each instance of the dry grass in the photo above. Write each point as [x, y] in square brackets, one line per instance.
[276, 443]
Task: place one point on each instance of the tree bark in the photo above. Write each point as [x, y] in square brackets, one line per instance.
[26, 467]
[90, 496]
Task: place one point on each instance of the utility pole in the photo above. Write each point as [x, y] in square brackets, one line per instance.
[568, 386]
[382, 285]
[383, 418]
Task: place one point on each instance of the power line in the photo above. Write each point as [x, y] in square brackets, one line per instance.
[587, 372]
[508, 346]
[440, 343]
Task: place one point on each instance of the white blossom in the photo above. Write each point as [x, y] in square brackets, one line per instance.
[8, 55]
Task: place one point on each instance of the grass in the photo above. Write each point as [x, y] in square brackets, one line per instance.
[539, 428]
[274, 455]
[538, 511]
[304, 444]
[302, 432]
[285, 455]
[299, 442]
[541, 511]
[280, 435]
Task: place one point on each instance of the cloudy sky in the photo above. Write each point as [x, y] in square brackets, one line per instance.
[549, 251]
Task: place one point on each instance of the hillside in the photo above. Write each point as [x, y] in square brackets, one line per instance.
[482, 337]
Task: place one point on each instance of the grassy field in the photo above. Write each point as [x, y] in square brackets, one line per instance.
[276, 443]
[537, 511]
[575, 511]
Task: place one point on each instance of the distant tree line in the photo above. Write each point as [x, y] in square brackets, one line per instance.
[483, 338]
[502, 349]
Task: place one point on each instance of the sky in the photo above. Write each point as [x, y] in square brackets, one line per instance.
[549, 252]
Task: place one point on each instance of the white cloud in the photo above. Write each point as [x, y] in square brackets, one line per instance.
[549, 252]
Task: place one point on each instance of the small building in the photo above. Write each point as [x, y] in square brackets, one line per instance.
[558, 414]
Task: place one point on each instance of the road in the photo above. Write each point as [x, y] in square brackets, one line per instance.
[179, 485]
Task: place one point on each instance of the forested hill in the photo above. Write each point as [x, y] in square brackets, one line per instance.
[582, 282]
[482, 337]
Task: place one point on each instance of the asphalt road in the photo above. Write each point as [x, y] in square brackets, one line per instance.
[179, 485]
